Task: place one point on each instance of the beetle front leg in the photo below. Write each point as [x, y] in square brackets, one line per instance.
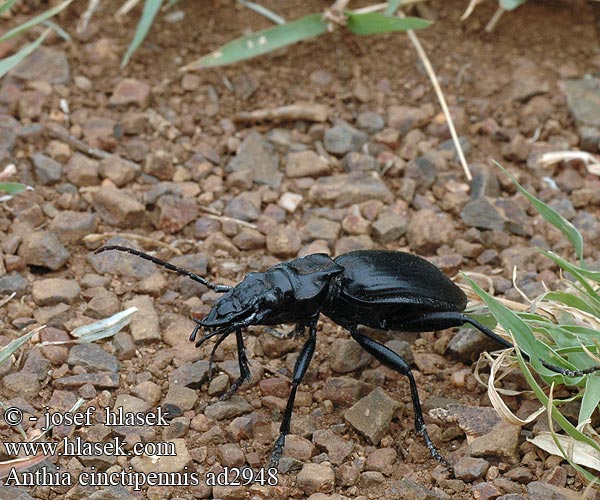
[395, 362]
[243, 364]
[300, 368]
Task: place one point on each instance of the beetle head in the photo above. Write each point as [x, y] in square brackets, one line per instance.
[251, 302]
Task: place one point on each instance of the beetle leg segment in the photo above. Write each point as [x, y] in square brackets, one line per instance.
[211, 358]
[195, 330]
[300, 368]
[243, 364]
[395, 362]
[507, 344]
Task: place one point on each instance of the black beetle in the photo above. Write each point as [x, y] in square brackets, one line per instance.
[381, 289]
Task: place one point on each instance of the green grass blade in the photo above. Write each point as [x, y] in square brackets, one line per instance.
[511, 4]
[263, 11]
[34, 21]
[570, 300]
[151, 8]
[392, 7]
[10, 348]
[106, 327]
[10, 62]
[58, 30]
[593, 275]
[373, 23]
[11, 187]
[552, 216]
[7, 5]
[567, 426]
[576, 272]
[262, 42]
[171, 3]
[517, 327]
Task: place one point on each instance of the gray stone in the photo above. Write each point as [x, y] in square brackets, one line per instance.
[469, 468]
[284, 241]
[371, 416]
[370, 122]
[118, 208]
[342, 139]
[501, 444]
[124, 345]
[44, 249]
[381, 460]
[102, 380]
[359, 162]
[337, 448]
[467, 344]
[589, 138]
[71, 227]
[481, 213]
[82, 170]
[315, 478]
[53, 291]
[583, 100]
[22, 384]
[190, 375]
[318, 228]
[131, 91]
[256, 156]
[245, 206]
[405, 118]
[103, 303]
[347, 355]
[228, 409]
[424, 169]
[389, 228]
[181, 397]
[148, 391]
[130, 404]
[529, 79]
[485, 182]
[118, 170]
[349, 189]
[306, 164]
[175, 212]
[13, 282]
[46, 64]
[47, 170]
[92, 356]
[402, 348]
[539, 490]
[428, 230]
[144, 323]
[407, 489]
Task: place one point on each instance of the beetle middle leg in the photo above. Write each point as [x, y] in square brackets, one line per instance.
[395, 362]
[300, 368]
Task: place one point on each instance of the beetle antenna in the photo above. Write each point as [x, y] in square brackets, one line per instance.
[166, 265]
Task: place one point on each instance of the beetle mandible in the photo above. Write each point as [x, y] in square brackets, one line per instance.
[388, 290]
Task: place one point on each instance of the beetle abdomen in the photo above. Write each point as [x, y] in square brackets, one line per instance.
[386, 289]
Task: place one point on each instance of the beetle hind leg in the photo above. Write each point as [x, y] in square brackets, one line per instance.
[395, 362]
[557, 369]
